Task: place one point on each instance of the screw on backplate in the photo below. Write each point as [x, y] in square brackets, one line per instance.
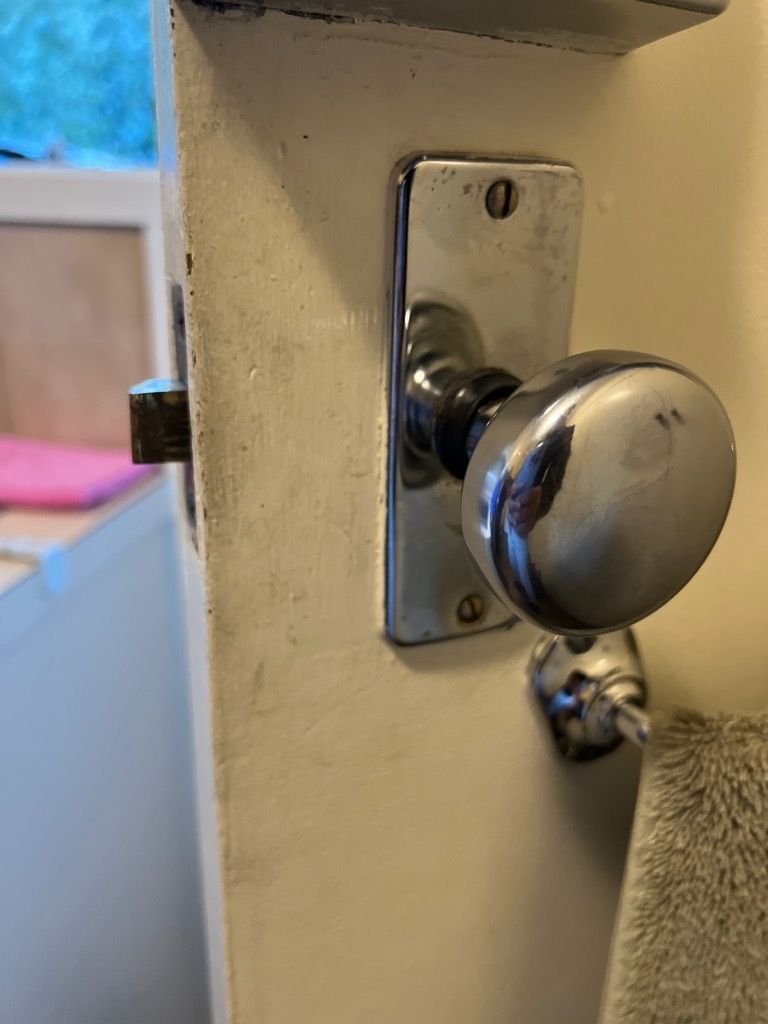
[471, 609]
[501, 199]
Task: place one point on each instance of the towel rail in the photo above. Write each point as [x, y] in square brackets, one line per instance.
[634, 724]
[592, 692]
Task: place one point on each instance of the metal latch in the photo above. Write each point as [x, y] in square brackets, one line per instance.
[160, 428]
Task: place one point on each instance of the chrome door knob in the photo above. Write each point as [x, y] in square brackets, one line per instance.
[593, 492]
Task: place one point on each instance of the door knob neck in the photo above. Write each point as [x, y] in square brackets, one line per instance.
[446, 387]
[467, 406]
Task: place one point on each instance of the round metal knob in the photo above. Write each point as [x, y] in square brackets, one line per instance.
[594, 493]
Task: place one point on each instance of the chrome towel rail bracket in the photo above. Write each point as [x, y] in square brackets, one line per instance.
[592, 692]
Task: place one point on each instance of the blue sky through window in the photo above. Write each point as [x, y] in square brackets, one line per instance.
[76, 81]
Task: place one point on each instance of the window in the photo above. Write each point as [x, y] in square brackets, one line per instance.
[76, 82]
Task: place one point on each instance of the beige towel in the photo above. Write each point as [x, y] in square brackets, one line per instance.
[691, 940]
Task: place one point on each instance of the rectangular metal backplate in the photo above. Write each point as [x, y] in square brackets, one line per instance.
[512, 278]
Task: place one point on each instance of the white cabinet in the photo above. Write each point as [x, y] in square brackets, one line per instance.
[101, 918]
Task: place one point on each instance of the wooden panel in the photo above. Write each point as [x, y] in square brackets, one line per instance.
[5, 409]
[73, 331]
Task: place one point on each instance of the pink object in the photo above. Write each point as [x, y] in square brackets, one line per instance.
[44, 474]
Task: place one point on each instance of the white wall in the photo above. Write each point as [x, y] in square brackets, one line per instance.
[398, 843]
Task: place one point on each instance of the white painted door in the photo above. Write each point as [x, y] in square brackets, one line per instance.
[397, 841]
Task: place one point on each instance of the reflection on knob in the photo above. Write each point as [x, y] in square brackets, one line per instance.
[595, 491]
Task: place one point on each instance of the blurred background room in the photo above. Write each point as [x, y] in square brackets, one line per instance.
[100, 890]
